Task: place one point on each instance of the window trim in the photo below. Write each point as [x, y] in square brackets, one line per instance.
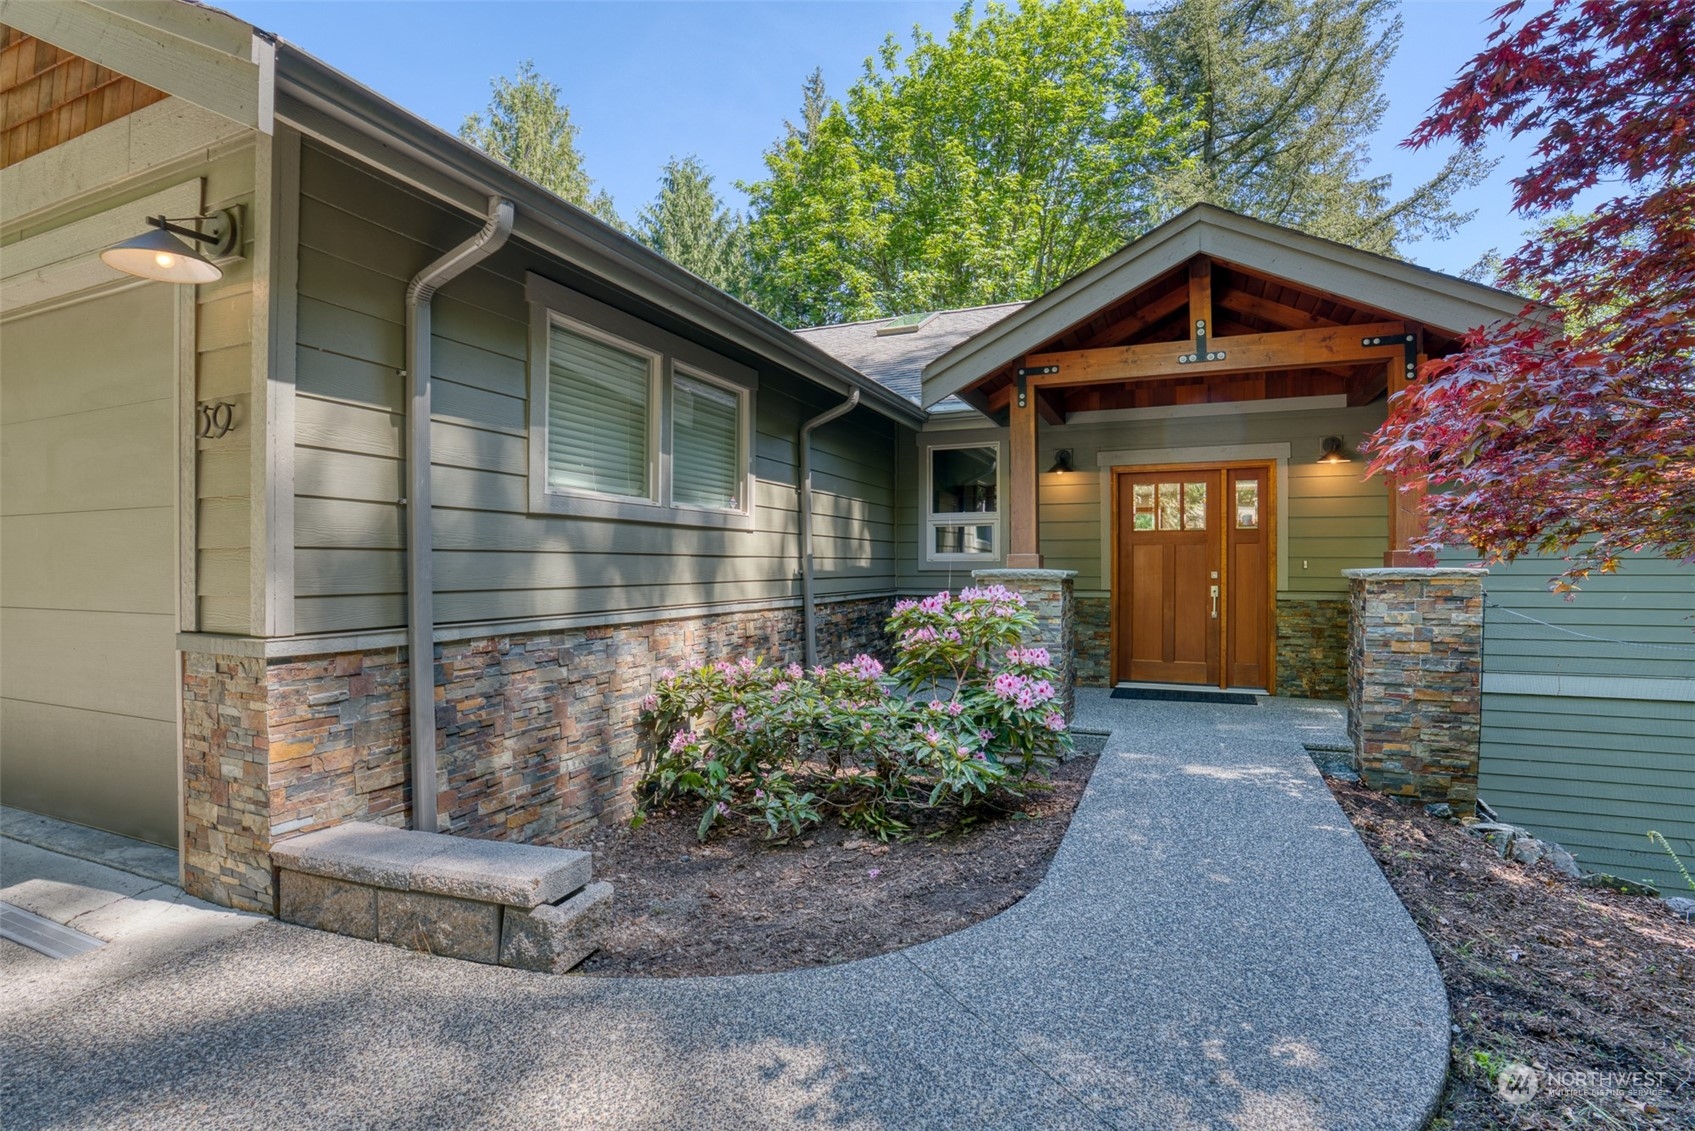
[928, 520]
[744, 434]
[554, 305]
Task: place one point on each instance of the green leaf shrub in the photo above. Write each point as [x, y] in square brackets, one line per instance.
[965, 716]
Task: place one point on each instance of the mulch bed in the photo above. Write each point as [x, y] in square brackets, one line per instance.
[1593, 989]
[739, 905]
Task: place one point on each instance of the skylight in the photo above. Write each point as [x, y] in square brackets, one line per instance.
[905, 324]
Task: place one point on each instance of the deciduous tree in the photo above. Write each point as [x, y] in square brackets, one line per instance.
[1573, 433]
[983, 167]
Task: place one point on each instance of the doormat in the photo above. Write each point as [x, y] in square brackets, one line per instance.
[1173, 695]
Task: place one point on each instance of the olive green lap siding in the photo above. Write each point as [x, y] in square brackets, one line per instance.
[1650, 602]
[362, 238]
[1595, 775]
[1587, 741]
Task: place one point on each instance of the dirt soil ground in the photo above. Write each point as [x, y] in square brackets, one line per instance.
[1593, 989]
[737, 905]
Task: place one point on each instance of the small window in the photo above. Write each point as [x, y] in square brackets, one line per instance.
[1144, 501]
[1247, 504]
[599, 423]
[1168, 506]
[963, 503]
[706, 457]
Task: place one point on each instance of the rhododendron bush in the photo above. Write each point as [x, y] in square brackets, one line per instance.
[965, 717]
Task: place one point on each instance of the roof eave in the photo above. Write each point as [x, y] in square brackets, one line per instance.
[1447, 302]
[327, 104]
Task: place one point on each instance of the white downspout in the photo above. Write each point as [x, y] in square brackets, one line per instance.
[809, 612]
[420, 568]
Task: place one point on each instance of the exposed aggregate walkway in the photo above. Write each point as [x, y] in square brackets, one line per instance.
[1212, 948]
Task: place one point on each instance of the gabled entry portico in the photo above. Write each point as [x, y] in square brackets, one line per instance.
[1216, 320]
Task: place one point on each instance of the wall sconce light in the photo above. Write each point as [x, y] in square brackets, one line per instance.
[1333, 452]
[160, 255]
[1062, 460]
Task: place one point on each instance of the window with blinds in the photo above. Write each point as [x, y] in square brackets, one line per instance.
[599, 416]
[631, 423]
[706, 457]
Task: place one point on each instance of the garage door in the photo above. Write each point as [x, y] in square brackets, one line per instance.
[88, 684]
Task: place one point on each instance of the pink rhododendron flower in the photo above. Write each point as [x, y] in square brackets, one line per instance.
[681, 739]
[1054, 722]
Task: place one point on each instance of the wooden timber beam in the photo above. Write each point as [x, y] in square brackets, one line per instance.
[1275, 312]
[1242, 353]
[1367, 387]
[1047, 407]
[1144, 316]
[1406, 495]
[1224, 325]
[1200, 302]
[1023, 550]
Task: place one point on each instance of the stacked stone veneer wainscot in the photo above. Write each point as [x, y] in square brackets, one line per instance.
[1312, 647]
[1047, 592]
[1415, 671]
[538, 733]
[1093, 626]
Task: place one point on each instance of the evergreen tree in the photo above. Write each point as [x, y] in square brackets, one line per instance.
[689, 225]
[527, 128]
[1290, 91]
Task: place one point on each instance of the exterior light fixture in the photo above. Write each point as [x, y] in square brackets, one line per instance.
[1333, 452]
[159, 254]
[1062, 460]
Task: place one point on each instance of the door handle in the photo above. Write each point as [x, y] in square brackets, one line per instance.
[1215, 602]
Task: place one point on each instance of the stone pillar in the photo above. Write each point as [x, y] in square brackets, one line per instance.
[1415, 673]
[1048, 594]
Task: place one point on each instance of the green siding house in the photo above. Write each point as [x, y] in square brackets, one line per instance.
[422, 474]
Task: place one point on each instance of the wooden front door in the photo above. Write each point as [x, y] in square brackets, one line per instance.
[1191, 599]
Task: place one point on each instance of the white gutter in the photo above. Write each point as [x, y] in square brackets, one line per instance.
[420, 545]
[809, 611]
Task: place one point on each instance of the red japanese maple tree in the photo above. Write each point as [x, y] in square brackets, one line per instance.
[1571, 429]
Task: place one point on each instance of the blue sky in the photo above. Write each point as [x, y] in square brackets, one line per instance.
[647, 79]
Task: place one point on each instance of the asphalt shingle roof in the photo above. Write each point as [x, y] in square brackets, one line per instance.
[897, 361]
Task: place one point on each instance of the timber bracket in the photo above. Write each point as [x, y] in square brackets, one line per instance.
[1023, 391]
[1409, 348]
[1201, 353]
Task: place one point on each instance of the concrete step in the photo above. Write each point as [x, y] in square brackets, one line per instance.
[488, 871]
